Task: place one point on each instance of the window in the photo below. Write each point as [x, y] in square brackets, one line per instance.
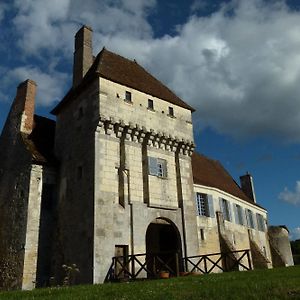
[171, 111]
[157, 167]
[260, 222]
[250, 220]
[150, 104]
[225, 209]
[202, 235]
[204, 205]
[79, 173]
[128, 96]
[201, 204]
[239, 215]
[80, 113]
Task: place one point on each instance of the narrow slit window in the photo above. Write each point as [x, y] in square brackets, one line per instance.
[150, 104]
[79, 172]
[128, 97]
[171, 111]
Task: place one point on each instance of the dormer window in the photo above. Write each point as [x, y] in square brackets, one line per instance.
[171, 111]
[128, 96]
[150, 104]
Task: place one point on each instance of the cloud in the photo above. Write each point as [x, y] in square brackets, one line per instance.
[292, 197]
[50, 85]
[3, 8]
[239, 66]
[295, 234]
[50, 25]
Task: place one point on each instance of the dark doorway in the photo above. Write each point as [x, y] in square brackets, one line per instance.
[163, 247]
[121, 254]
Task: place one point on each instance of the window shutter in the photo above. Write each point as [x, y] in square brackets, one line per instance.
[236, 213]
[221, 206]
[165, 168]
[254, 221]
[152, 163]
[229, 211]
[197, 205]
[243, 217]
[210, 202]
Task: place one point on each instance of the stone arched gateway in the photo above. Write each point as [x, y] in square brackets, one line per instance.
[163, 247]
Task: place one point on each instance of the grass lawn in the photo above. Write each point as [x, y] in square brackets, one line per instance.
[280, 283]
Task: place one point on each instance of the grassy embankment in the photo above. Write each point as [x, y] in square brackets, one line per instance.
[281, 283]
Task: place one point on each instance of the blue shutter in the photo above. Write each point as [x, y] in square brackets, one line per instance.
[152, 162]
[197, 207]
[236, 213]
[243, 217]
[165, 168]
[210, 202]
[229, 211]
[221, 205]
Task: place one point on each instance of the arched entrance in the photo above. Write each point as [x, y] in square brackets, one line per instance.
[163, 247]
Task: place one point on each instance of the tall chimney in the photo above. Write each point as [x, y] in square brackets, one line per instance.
[248, 186]
[83, 55]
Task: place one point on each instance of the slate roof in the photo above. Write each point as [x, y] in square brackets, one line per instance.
[211, 173]
[121, 70]
[40, 142]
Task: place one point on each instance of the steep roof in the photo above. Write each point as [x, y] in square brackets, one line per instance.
[40, 142]
[211, 173]
[121, 70]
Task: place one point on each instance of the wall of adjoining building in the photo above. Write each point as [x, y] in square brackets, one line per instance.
[239, 235]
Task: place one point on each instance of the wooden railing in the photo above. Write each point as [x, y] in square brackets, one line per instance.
[146, 265]
[230, 261]
[150, 265]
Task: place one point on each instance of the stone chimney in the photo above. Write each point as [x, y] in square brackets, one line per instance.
[83, 55]
[248, 186]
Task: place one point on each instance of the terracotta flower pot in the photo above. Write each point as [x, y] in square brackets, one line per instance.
[164, 274]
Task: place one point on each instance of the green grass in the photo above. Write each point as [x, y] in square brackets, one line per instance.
[281, 283]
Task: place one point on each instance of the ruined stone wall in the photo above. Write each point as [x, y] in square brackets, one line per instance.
[16, 192]
[279, 238]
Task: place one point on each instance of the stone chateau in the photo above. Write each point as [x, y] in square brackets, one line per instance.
[116, 175]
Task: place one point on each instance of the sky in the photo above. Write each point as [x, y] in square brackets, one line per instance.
[237, 62]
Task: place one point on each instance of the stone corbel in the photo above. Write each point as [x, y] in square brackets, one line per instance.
[135, 133]
[128, 132]
[119, 129]
[109, 127]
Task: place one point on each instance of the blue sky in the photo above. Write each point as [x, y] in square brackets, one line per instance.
[236, 61]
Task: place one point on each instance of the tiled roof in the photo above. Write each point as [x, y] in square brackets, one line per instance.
[211, 173]
[126, 72]
[40, 142]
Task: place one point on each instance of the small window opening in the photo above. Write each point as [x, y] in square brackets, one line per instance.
[128, 96]
[202, 235]
[79, 173]
[171, 111]
[80, 113]
[150, 104]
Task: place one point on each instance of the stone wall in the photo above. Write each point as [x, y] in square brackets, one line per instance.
[75, 149]
[238, 235]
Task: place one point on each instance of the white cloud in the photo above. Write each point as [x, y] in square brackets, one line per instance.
[239, 67]
[50, 25]
[292, 197]
[50, 85]
[295, 234]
